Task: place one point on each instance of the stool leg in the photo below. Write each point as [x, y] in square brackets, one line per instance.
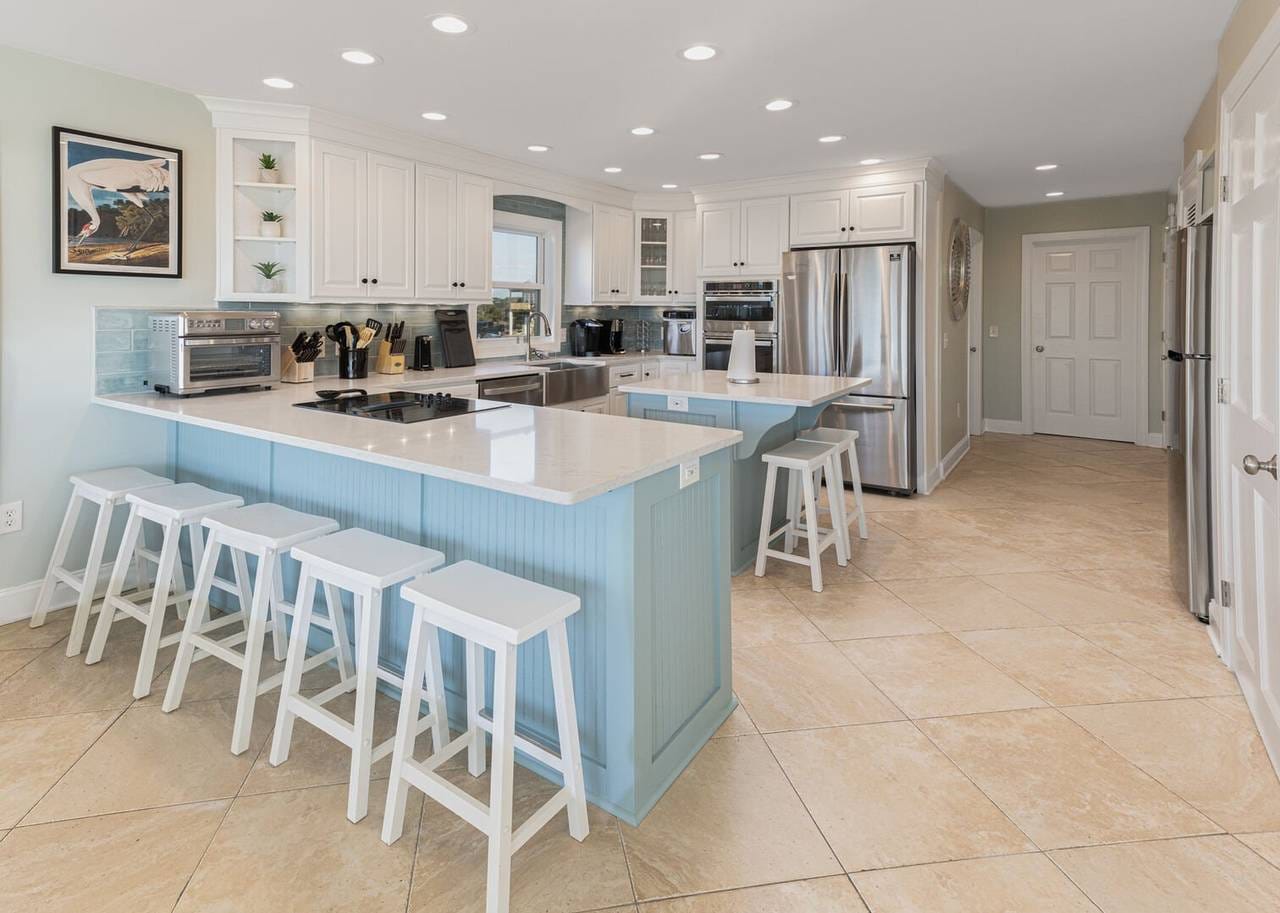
[475, 702]
[292, 682]
[84, 605]
[58, 558]
[438, 697]
[793, 513]
[567, 729]
[406, 730]
[256, 628]
[812, 532]
[835, 502]
[338, 620]
[115, 587]
[165, 577]
[197, 617]
[766, 517]
[855, 478]
[279, 633]
[370, 617]
[502, 779]
[244, 592]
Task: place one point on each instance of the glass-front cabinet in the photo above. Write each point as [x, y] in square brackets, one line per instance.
[655, 257]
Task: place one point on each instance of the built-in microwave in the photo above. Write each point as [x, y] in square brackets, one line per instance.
[740, 304]
[199, 351]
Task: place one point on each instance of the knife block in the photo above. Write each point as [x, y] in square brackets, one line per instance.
[387, 362]
[293, 371]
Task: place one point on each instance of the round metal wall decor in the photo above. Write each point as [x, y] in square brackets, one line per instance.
[959, 269]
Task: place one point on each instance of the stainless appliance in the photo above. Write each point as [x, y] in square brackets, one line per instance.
[1189, 378]
[739, 304]
[200, 351]
[613, 336]
[678, 336]
[849, 312]
[404, 408]
[525, 388]
[586, 337]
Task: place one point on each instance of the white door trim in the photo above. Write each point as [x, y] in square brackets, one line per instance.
[974, 335]
[1141, 236]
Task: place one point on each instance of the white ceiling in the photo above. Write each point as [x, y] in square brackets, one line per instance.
[989, 87]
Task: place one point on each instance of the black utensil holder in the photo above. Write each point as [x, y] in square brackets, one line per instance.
[353, 364]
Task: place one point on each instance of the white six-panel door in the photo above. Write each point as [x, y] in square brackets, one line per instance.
[1084, 311]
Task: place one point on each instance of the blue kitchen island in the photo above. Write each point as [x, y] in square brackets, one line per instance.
[592, 504]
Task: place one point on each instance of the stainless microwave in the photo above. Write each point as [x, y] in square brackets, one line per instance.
[200, 351]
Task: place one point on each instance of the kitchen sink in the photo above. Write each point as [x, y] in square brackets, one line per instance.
[566, 382]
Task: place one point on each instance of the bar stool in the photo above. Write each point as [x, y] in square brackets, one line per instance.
[805, 463]
[171, 507]
[364, 564]
[843, 439]
[265, 531]
[488, 608]
[106, 488]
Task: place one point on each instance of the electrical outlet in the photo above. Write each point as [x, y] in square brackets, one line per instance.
[10, 517]
[688, 473]
[993, 332]
[677, 404]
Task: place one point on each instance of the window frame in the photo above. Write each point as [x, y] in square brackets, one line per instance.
[550, 234]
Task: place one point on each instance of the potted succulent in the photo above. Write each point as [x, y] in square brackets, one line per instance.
[268, 169]
[270, 272]
[272, 224]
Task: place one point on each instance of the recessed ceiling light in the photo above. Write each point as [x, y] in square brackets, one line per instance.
[778, 104]
[1054, 193]
[434, 115]
[536, 147]
[277, 82]
[870, 161]
[355, 55]
[834, 138]
[699, 52]
[709, 156]
[642, 131]
[449, 24]
[670, 186]
[612, 169]
[1046, 167]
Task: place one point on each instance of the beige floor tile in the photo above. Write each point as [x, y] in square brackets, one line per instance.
[738, 723]
[1174, 876]
[817, 895]
[1061, 785]
[936, 675]
[730, 820]
[884, 796]
[149, 758]
[965, 604]
[787, 574]
[1064, 668]
[335, 866]
[859, 610]
[55, 684]
[763, 617]
[1149, 585]
[1214, 761]
[1069, 600]
[1010, 884]
[1265, 845]
[19, 635]
[552, 872]
[902, 561]
[137, 862]
[802, 686]
[1233, 705]
[929, 525]
[1177, 652]
[35, 752]
[13, 660]
[747, 581]
[980, 555]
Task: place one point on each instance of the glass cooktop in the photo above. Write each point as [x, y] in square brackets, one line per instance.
[404, 408]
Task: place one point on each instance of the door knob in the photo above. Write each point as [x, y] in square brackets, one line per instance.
[1253, 465]
[1039, 348]
[973, 348]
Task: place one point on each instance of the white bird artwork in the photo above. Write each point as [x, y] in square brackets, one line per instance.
[133, 179]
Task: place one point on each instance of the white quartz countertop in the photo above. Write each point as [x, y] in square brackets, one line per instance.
[773, 389]
[555, 455]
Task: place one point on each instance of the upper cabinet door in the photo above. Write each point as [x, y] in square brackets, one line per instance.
[655, 257]
[475, 237]
[391, 205]
[820, 218]
[434, 239]
[338, 238]
[719, 228]
[624, 235]
[603, 256]
[764, 235]
[684, 273]
[885, 213]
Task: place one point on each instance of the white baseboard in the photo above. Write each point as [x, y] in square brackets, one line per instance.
[954, 456]
[1004, 426]
[18, 603]
[1153, 439]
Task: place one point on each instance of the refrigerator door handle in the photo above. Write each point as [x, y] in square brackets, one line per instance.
[865, 407]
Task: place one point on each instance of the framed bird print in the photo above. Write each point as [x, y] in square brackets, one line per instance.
[117, 206]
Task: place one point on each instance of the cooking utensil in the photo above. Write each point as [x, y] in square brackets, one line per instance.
[366, 336]
[341, 394]
[375, 325]
[297, 345]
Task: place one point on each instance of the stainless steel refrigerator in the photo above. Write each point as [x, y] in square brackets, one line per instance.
[849, 312]
[1189, 372]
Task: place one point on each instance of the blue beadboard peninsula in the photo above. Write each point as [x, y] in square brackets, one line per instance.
[768, 414]
[592, 504]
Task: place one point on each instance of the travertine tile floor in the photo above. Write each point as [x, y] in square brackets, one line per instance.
[998, 706]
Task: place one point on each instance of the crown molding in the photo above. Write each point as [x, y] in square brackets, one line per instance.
[858, 176]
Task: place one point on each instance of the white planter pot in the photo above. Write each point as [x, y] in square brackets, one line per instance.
[269, 176]
[270, 286]
[270, 229]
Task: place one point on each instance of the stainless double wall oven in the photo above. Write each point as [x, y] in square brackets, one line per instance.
[739, 304]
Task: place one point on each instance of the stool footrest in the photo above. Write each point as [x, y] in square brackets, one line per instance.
[272, 682]
[531, 748]
[75, 581]
[539, 819]
[422, 776]
[325, 720]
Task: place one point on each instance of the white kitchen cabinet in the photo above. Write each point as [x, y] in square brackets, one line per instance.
[666, 258]
[612, 243]
[617, 403]
[597, 405]
[454, 234]
[820, 218]
[860, 215]
[391, 203]
[671, 367]
[744, 238]
[475, 237]
[684, 281]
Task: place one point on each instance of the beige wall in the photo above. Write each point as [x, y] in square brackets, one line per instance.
[1002, 287]
[954, 401]
[48, 429]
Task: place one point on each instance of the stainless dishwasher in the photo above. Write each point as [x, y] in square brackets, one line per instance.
[523, 388]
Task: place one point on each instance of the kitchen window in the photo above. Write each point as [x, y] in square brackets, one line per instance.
[525, 279]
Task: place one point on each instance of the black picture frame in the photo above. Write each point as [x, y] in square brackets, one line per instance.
[150, 186]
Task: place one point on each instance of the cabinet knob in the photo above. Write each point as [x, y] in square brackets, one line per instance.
[462, 285]
[364, 281]
[374, 281]
[842, 228]
[455, 285]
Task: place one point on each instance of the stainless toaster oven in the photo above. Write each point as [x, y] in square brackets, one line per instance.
[200, 351]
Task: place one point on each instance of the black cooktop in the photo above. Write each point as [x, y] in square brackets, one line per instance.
[404, 408]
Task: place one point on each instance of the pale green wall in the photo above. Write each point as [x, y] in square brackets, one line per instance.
[48, 429]
[1002, 287]
[955, 357]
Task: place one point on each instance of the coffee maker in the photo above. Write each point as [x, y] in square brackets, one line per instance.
[613, 336]
[587, 337]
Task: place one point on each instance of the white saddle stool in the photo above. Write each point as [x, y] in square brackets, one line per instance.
[805, 462]
[843, 439]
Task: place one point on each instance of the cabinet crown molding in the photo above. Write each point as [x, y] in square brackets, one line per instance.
[904, 172]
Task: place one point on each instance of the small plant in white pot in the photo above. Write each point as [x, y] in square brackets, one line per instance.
[268, 169]
[272, 225]
[270, 272]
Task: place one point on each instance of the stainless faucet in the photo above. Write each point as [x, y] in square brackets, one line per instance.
[532, 354]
